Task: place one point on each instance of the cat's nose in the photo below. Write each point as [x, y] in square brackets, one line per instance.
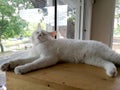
[39, 36]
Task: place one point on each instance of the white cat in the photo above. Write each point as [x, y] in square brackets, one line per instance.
[47, 51]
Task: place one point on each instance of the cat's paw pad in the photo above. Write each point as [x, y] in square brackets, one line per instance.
[18, 70]
[112, 72]
[5, 67]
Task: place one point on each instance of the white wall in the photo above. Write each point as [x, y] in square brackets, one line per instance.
[102, 21]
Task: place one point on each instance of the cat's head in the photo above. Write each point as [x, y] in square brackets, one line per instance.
[40, 36]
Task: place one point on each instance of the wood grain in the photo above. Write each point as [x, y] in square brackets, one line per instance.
[65, 76]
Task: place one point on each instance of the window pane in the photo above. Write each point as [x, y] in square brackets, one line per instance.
[68, 18]
[43, 13]
[49, 15]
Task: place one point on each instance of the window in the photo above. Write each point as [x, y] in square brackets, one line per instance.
[116, 31]
[74, 19]
[64, 16]
[70, 18]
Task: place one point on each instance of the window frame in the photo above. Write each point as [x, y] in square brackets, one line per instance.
[83, 21]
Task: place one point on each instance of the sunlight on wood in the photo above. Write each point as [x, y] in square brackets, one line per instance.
[64, 77]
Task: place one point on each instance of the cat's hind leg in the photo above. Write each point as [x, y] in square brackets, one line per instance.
[110, 68]
[37, 64]
[10, 65]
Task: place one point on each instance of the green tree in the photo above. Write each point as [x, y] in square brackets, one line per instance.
[11, 24]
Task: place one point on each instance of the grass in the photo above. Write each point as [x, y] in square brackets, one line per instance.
[5, 53]
[9, 43]
[14, 44]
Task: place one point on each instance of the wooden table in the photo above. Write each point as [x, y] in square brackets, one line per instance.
[65, 76]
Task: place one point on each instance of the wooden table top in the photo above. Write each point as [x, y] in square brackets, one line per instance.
[77, 76]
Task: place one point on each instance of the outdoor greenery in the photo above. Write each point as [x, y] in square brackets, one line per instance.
[11, 25]
[117, 18]
[117, 30]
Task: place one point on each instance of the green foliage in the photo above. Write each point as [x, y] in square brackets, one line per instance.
[22, 4]
[117, 2]
[11, 25]
[117, 16]
[29, 29]
[71, 19]
[27, 33]
[117, 30]
[15, 27]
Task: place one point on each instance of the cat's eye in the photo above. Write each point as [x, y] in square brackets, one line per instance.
[37, 32]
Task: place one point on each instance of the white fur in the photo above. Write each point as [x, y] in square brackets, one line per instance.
[47, 51]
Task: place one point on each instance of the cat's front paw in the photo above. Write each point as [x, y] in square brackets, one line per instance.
[112, 72]
[19, 70]
[5, 67]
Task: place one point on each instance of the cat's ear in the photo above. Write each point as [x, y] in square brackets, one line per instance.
[53, 34]
[39, 26]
